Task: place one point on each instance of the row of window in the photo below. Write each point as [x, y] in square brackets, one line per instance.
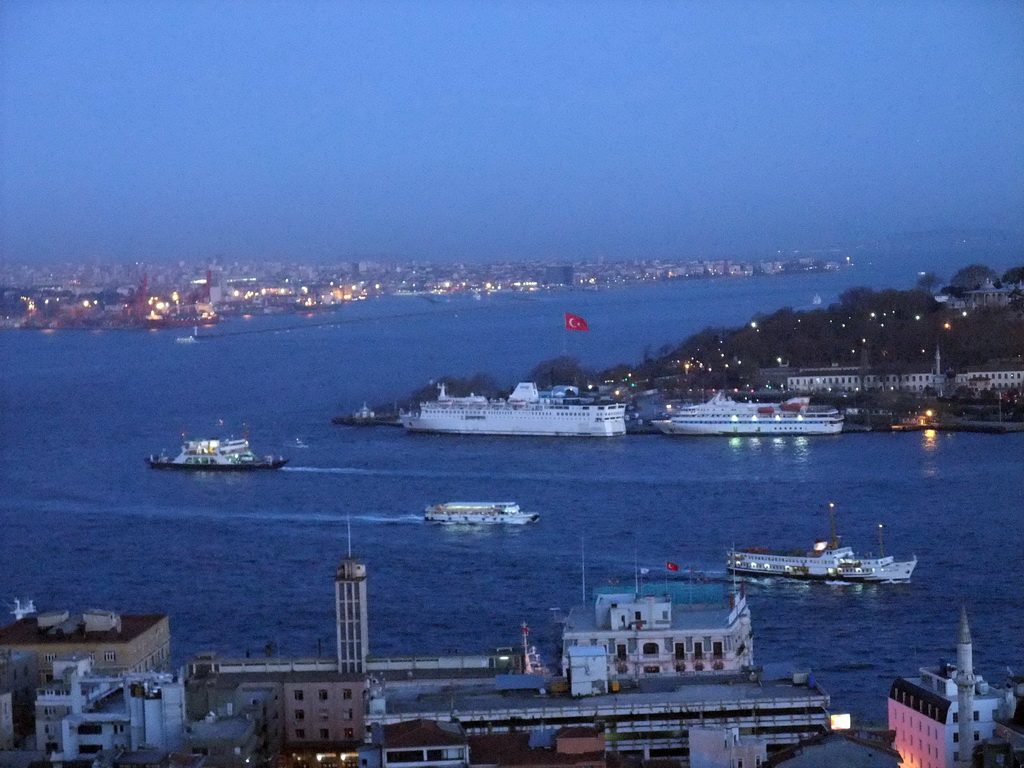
[300, 714]
[325, 733]
[107, 656]
[322, 694]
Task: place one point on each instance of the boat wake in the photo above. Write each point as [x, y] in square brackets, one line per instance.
[604, 479]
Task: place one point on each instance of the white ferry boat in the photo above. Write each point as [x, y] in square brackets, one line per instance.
[721, 415]
[233, 455]
[528, 411]
[479, 512]
[827, 561]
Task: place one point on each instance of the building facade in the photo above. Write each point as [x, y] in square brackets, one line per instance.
[80, 713]
[18, 679]
[114, 643]
[934, 714]
[662, 630]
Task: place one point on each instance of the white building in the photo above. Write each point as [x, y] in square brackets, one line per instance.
[80, 713]
[859, 379]
[997, 376]
[667, 629]
[927, 712]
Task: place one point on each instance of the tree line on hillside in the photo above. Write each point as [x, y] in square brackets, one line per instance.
[890, 331]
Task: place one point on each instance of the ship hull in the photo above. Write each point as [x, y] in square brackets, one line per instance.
[766, 427]
[538, 427]
[479, 520]
[277, 464]
[896, 576]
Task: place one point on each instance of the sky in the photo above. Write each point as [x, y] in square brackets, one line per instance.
[502, 130]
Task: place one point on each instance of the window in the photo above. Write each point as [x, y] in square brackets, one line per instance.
[650, 649]
[300, 733]
[346, 694]
[90, 729]
[325, 733]
[110, 656]
[49, 656]
[956, 717]
[448, 753]
[322, 693]
[405, 756]
[298, 695]
[977, 716]
[350, 733]
[698, 651]
[300, 714]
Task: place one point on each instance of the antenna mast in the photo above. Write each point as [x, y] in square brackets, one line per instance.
[583, 567]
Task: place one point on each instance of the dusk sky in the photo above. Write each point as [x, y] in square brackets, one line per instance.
[502, 130]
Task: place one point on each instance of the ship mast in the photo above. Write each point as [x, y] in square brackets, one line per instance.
[833, 542]
[881, 541]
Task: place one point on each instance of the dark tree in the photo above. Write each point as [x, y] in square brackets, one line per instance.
[972, 276]
[1014, 275]
[559, 371]
[929, 282]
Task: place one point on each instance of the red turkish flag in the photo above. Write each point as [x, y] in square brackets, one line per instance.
[670, 566]
[575, 323]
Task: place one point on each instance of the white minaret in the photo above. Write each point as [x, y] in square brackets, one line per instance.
[350, 611]
[965, 681]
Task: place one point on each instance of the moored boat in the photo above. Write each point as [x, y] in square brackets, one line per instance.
[721, 415]
[479, 513]
[561, 411]
[232, 455]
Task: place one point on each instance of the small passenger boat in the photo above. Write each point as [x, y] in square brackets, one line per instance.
[479, 513]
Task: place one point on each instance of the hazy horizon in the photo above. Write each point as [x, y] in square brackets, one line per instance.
[461, 131]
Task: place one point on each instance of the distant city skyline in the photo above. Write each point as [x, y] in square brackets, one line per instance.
[460, 131]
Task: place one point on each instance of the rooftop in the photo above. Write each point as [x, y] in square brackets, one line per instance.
[27, 632]
[452, 698]
[422, 733]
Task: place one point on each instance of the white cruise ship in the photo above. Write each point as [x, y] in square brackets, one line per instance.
[721, 415]
[528, 411]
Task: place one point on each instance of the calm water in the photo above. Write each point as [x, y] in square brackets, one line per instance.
[240, 561]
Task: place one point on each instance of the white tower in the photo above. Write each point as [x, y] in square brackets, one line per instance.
[350, 611]
[965, 682]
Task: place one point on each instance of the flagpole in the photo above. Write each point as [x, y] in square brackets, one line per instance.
[583, 567]
[636, 573]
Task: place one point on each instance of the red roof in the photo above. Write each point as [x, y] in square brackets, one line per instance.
[26, 631]
[422, 733]
[513, 749]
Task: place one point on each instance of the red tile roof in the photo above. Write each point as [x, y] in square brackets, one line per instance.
[513, 749]
[26, 631]
[422, 733]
